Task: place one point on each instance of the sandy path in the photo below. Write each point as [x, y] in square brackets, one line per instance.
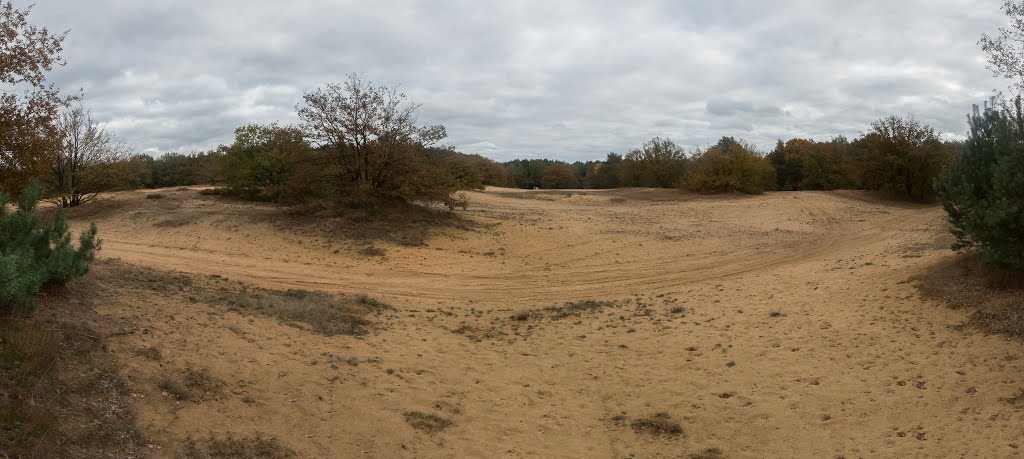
[801, 335]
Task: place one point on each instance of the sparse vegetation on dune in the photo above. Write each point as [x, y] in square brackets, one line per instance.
[319, 312]
[657, 424]
[61, 394]
[426, 422]
[236, 447]
[362, 221]
[993, 297]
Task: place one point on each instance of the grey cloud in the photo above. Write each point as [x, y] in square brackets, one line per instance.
[716, 107]
[572, 79]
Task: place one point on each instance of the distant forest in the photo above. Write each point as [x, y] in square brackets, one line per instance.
[899, 156]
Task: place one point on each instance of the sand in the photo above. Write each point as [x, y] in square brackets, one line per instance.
[780, 325]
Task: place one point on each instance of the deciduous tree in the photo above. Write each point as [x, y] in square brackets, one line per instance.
[558, 176]
[373, 143]
[28, 105]
[1005, 50]
[730, 166]
[86, 160]
[269, 162]
[904, 158]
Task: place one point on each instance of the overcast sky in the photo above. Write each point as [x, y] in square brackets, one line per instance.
[552, 78]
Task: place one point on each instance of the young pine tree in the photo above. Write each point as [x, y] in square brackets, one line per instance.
[34, 253]
[983, 188]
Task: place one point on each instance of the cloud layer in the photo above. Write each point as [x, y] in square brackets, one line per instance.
[566, 79]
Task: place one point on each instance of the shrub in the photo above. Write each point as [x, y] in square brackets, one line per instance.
[803, 164]
[373, 146]
[269, 163]
[731, 166]
[903, 158]
[557, 176]
[983, 188]
[88, 160]
[34, 253]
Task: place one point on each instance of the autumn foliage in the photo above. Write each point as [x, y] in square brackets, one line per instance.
[28, 105]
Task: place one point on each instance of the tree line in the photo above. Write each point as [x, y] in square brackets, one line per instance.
[898, 155]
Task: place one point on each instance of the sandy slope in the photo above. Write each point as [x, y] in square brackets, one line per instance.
[801, 335]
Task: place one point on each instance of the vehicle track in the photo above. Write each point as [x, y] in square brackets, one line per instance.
[573, 262]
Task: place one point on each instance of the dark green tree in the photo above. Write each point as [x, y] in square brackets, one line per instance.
[526, 173]
[983, 188]
[904, 157]
[607, 172]
[34, 253]
[269, 162]
[177, 169]
[821, 170]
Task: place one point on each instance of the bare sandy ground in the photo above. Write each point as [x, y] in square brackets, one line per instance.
[782, 325]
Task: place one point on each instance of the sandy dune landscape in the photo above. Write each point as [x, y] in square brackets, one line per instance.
[618, 323]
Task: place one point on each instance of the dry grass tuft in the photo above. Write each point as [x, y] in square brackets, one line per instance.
[427, 422]
[371, 220]
[578, 308]
[60, 395]
[373, 251]
[319, 312]
[1017, 400]
[710, 453]
[996, 297]
[658, 424]
[150, 352]
[237, 447]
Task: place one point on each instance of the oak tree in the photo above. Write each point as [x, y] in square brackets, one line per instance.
[28, 105]
[373, 143]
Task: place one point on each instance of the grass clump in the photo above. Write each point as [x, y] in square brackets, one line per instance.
[1017, 401]
[319, 312]
[373, 251]
[657, 424]
[578, 308]
[709, 453]
[427, 422]
[323, 313]
[195, 385]
[176, 390]
[60, 394]
[232, 447]
[994, 297]
[149, 352]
